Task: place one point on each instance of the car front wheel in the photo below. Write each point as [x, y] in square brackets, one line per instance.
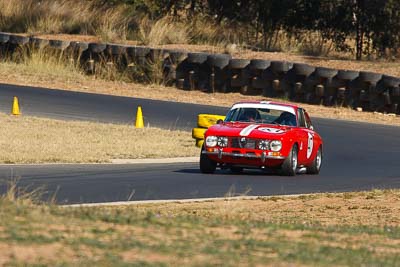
[289, 166]
[207, 165]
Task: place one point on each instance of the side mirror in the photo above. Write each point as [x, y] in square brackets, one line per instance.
[220, 121]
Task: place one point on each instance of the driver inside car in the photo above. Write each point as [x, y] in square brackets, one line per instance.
[249, 115]
[286, 118]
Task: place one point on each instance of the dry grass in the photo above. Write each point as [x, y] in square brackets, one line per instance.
[163, 31]
[64, 16]
[350, 229]
[36, 140]
[370, 208]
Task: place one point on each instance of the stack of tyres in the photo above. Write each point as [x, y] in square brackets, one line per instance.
[256, 69]
[138, 62]
[116, 56]
[4, 38]
[293, 82]
[196, 69]
[204, 121]
[176, 65]
[137, 55]
[173, 75]
[387, 95]
[38, 43]
[341, 85]
[157, 68]
[58, 48]
[274, 76]
[94, 54]
[239, 75]
[16, 43]
[76, 50]
[319, 86]
[59, 45]
[363, 90]
[218, 74]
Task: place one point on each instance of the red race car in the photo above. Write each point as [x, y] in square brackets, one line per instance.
[265, 135]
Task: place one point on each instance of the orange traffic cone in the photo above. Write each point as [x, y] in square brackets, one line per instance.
[139, 118]
[15, 108]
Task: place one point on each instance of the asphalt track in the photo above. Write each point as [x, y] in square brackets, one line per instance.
[357, 156]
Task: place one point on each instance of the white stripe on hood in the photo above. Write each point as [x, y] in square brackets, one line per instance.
[246, 131]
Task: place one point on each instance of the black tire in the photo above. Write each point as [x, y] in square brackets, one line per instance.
[280, 66]
[238, 63]
[97, 48]
[197, 58]
[259, 64]
[157, 54]
[316, 164]
[206, 164]
[177, 56]
[79, 46]
[303, 69]
[116, 50]
[390, 81]
[289, 165]
[4, 38]
[59, 44]
[370, 77]
[396, 92]
[39, 43]
[236, 170]
[347, 75]
[325, 72]
[138, 51]
[18, 40]
[218, 60]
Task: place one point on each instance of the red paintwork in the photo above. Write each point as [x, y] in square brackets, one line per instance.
[289, 137]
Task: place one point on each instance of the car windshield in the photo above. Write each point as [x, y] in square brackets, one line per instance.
[261, 115]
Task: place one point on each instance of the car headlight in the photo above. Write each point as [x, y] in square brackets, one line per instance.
[263, 144]
[275, 145]
[222, 141]
[211, 141]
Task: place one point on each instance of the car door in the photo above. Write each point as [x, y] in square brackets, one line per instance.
[305, 138]
[311, 138]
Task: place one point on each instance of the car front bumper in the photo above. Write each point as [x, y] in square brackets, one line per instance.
[245, 157]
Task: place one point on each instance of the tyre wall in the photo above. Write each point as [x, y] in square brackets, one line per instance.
[220, 73]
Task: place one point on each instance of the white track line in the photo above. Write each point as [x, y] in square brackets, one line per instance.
[154, 161]
[116, 162]
[194, 200]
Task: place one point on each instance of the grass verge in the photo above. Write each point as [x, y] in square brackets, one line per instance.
[350, 229]
[37, 140]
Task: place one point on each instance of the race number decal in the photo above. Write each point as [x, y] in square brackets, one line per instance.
[310, 145]
[270, 130]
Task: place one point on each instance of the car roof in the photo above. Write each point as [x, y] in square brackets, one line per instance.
[267, 102]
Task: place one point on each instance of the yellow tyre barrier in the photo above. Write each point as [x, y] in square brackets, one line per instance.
[199, 142]
[207, 120]
[198, 133]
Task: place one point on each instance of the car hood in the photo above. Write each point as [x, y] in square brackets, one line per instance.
[262, 131]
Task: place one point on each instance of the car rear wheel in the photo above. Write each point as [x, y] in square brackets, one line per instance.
[207, 165]
[289, 166]
[317, 162]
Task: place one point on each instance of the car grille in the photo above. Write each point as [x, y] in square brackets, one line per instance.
[249, 143]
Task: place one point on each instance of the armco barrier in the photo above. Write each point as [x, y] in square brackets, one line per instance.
[220, 73]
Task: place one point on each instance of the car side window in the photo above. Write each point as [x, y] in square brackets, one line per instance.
[300, 115]
[308, 121]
